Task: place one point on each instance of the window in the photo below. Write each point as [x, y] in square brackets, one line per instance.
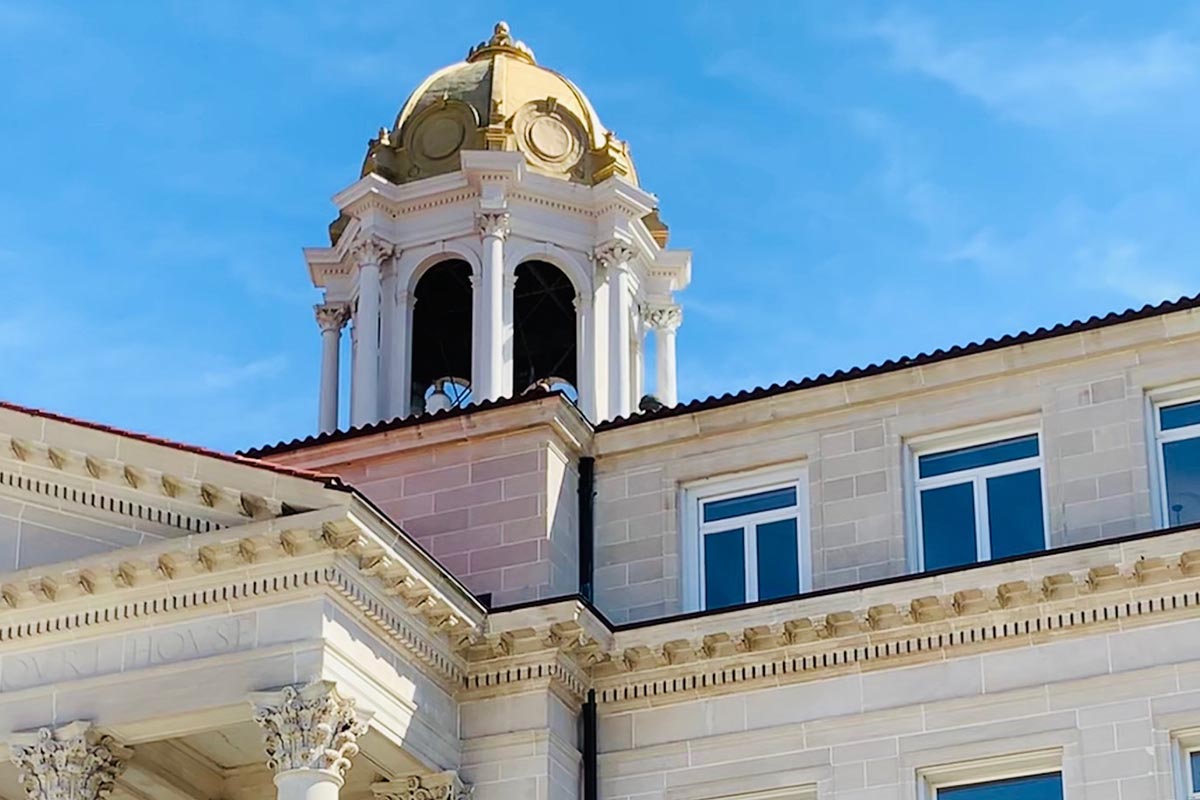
[1177, 430]
[979, 502]
[1193, 774]
[1030, 787]
[747, 540]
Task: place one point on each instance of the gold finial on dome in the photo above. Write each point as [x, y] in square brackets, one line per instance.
[501, 42]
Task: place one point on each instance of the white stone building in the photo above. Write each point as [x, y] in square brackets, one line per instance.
[967, 575]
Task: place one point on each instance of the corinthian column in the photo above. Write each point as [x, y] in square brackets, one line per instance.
[311, 735]
[665, 320]
[488, 381]
[331, 317]
[614, 258]
[69, 763]
[370, 255]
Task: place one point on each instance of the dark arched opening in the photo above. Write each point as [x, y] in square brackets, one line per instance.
[543, 327]
[441, 333]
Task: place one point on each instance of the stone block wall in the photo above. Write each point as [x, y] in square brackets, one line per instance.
[1108, 711]
[498, 512]
[1086, 395]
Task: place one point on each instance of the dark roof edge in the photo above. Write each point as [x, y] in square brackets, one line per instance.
[616, 627]
[399, 423]
[905, 362]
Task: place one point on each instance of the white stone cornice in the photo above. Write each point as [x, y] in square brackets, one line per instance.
[70, 763]
[309, 728]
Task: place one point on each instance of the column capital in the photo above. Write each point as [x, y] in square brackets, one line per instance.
[332, 316]
[614, 254]
[68, 763]
[438, 786]
[493, 223]
[311, 727]
[371, 251]
[662, 316]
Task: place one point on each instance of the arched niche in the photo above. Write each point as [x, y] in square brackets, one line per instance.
[441, 332]
[544, 326]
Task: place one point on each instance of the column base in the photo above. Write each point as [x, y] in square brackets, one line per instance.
[308, 784]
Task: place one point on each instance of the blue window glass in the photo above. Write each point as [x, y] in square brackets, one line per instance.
[1036, 787]
[1181, 467]
[1194, 760]
[1015, 520]
[750, 504]
[778, 559]
[1179, 416]
[948, 525]
[982, 455]
[724, 569]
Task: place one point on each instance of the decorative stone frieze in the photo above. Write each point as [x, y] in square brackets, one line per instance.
[438, 786]
[309, 728]
[495, 224]
[371, 251]
[662, 317]
[70, 763]
[614, 254]
[332, 316]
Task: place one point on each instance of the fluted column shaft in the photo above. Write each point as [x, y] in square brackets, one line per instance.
[665, 321]
[489, 380]
[331, 317]
[370, 254]
[614, 258]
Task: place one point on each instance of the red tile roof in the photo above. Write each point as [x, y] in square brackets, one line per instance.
[330, 481]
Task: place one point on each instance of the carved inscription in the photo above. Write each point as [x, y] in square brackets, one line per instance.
[135, 651]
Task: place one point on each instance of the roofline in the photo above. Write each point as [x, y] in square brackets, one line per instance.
[329, 480]
[620, 627]
[749, 395]
[906, 362]
[399, 423]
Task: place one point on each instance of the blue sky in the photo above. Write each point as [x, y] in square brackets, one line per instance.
[857, 181]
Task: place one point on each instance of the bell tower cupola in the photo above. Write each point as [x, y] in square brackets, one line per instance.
[496, 241]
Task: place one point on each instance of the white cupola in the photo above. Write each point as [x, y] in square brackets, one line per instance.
[497, 240]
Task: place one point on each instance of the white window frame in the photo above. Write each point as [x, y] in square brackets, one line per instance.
[694, 494]
[1185, 743]
[931, 780]
[1156, 401]
[956, 440]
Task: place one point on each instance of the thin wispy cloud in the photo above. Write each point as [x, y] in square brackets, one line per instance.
[1047, 80]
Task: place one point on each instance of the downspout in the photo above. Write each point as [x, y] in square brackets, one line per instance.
[591, 773]
[587, 527]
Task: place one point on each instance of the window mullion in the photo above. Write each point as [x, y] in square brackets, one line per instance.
[983, 534]
[750, 543]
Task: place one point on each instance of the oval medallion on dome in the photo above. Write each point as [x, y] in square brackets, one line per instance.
[549, 138]
[439, 137]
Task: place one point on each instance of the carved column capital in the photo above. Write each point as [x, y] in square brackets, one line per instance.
[493, 223]
[666, 317]
[371, 251]
[70, 763]
[312, 727]
[332, 316]
[614, 254]
[439, 786]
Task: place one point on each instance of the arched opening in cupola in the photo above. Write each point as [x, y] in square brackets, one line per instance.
[544, 329]
[441, 337]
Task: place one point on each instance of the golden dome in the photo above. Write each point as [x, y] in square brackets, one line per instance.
[499, 98]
